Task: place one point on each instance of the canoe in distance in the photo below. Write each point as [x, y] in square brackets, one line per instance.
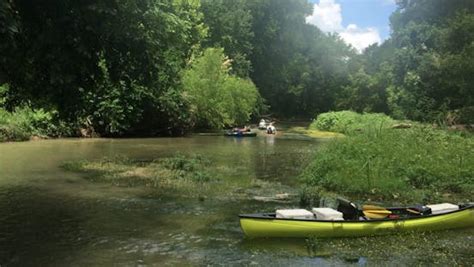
[240, 134]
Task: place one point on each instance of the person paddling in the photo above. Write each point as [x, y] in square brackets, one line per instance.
[271, 129]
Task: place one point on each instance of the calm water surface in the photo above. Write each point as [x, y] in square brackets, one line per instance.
[51, 217]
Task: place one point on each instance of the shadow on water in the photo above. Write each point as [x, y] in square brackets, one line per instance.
[37, 227]
[41, 227]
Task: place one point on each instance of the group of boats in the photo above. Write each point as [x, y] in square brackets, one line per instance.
[349, 220]
[237, 133]
[247, 131]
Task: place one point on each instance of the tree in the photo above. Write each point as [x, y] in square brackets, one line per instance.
[218, 99]
[433, 58]
[230, 27]
[109, 63]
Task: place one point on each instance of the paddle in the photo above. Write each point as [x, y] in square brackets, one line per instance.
[372, 207]
[375, 212]
[413, 211]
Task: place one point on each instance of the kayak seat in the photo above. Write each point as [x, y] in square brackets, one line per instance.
[327, 214]
[349, 210]
[442, 208]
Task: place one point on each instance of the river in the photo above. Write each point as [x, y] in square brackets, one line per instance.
[53, 217]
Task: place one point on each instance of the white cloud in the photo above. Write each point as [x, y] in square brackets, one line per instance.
[327, 16]
[360, 38]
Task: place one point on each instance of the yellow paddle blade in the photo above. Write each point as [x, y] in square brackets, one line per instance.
[376, 214]
[372, 207]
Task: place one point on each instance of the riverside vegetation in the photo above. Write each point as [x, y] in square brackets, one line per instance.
[380, 163]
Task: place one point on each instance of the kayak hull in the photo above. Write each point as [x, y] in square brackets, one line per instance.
[241, 134]
[264, 225]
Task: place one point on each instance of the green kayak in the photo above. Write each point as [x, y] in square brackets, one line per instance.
[268, 225]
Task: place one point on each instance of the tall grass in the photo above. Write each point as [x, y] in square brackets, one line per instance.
[416, 164]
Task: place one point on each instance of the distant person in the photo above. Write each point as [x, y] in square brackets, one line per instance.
[271, 129]
[262, 124]
[241, 130]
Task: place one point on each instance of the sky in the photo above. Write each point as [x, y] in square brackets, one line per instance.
[358, 22]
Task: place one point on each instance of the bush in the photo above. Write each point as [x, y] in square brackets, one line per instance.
[218, 99]
[26, 122]
[349, 122]
[416, 164]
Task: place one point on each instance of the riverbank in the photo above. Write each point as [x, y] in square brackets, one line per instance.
[29, 125]
[380, 161]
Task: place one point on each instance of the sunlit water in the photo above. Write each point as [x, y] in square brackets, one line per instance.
[49, 216]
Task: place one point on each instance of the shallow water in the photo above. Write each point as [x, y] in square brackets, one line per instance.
[53, 217]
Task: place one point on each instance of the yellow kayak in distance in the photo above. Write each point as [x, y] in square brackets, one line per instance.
[268, 225]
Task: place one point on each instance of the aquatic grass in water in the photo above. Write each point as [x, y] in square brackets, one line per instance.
[184, 175]
[193, 168]
[412, 248]
[176, 172]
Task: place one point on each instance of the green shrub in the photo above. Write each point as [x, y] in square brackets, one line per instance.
[416, 164]
[349, 122]
[25, 122]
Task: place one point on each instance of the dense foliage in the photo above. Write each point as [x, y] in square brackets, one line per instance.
[415, 164]
[116, 67]
[107, 65]
[424, 71]
[218, 99]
